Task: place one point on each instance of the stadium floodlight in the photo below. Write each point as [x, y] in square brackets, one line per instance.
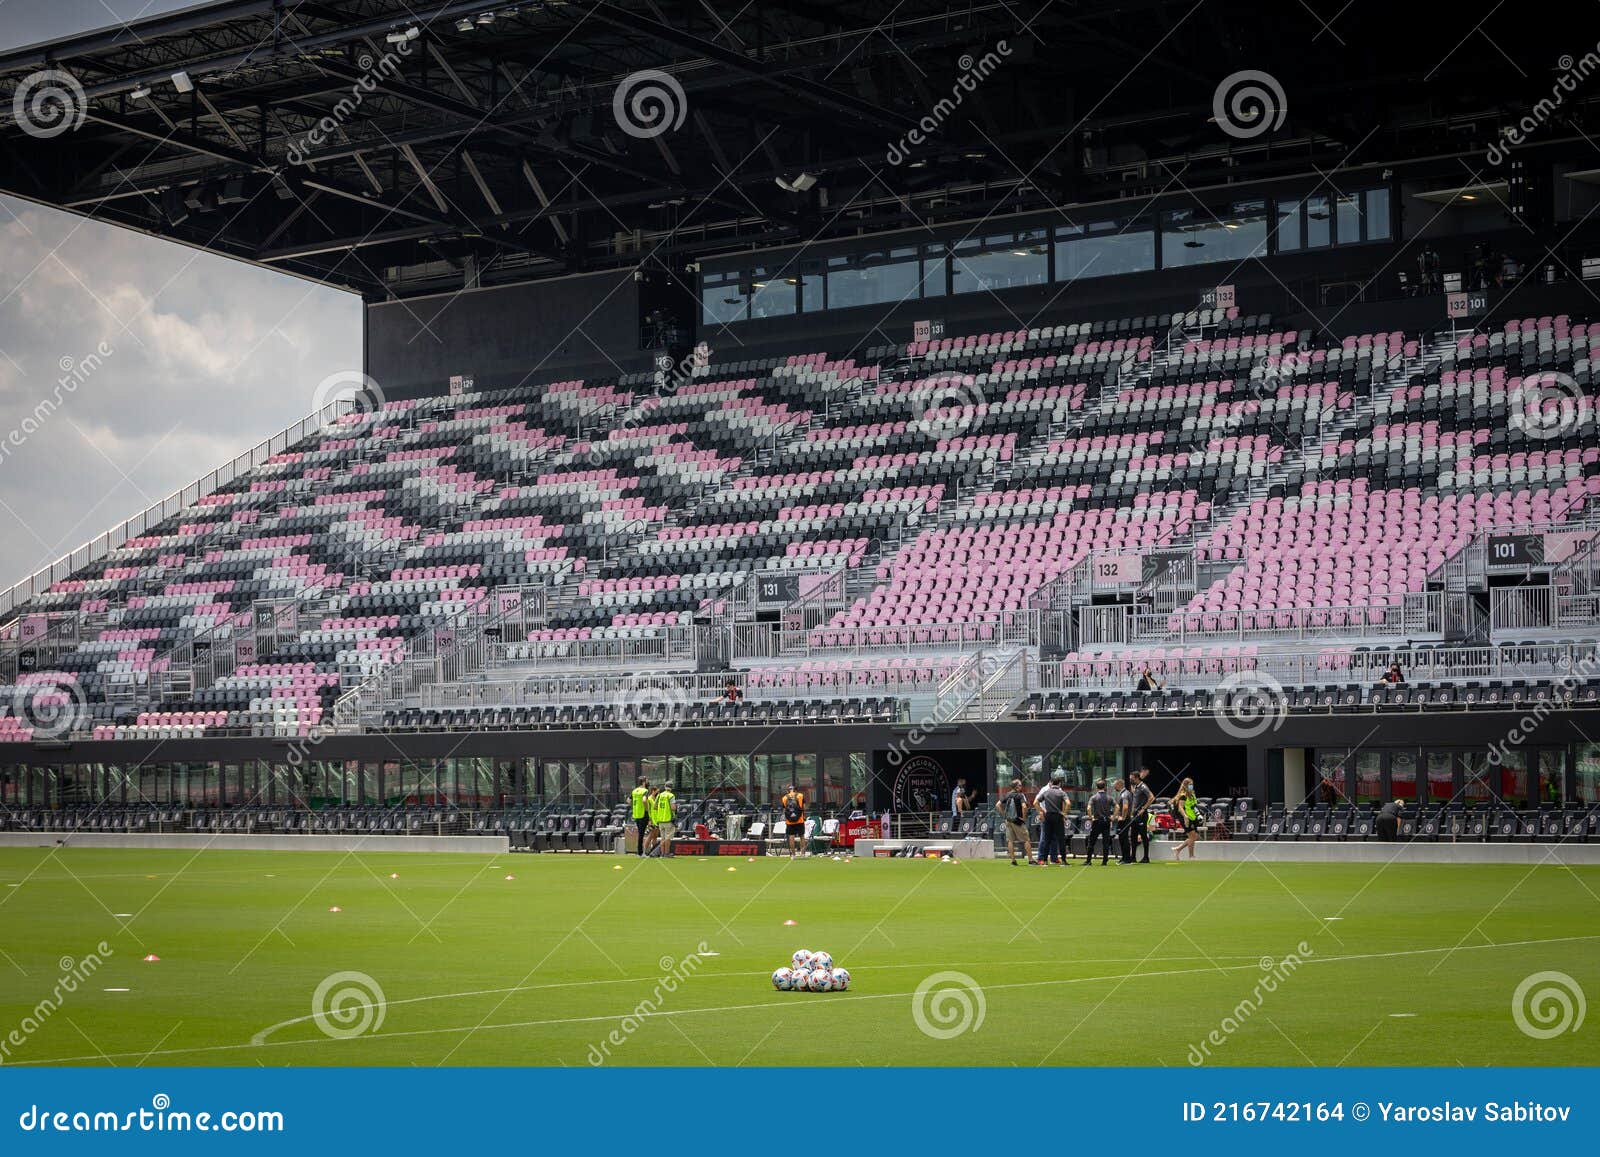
[402, 36]
[181, 82]
[486, 18]
[800, 184]
[139, 91]
[465, 24]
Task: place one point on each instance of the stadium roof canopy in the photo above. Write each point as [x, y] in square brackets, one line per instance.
[382, 144]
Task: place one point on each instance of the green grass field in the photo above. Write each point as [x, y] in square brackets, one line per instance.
[1074, 966]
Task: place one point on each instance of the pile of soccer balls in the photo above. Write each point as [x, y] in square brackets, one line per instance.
[811, 972]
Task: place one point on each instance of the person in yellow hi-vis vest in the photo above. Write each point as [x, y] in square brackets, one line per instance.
[641, 814]
[664, 814]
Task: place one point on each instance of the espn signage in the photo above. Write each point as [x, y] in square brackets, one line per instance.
[927, 330]
[718, 848]
[1472, 304]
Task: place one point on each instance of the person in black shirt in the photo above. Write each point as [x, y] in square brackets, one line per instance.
[1143, 797]
[730, 693]
[1013, 809]
[1393, 676]
[1100, 809]
[1389, 820]
[1053, 804]
[1148, 681]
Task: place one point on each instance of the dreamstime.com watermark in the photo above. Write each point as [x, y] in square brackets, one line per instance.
[947, 708]
[373, 74]
[74, 974]
[348, 1004]
[1522, 730]
[361, 391]
[674, 974]
[973, 73]
[74, 372]
[1547, 1004]
[160, 1117]
[670, 377]
[1274, 973]
[1572, 74]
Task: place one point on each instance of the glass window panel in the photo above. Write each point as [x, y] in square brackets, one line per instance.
[1001, 261]
[1289, 221]
[1441, 775]
[813, 280]
[1319, 226]
[773, 292]
[1197, 236]
[1483, 784]
[1348, 218]
[722, 299]
[1369, 777]
[1587, 785]
[882, 277]
[935, 270]
[1377, 214]
[805, 774]
[1103, 249]
[860, 779]
[1552, 765]
[1403, 775]
[832, 790]
[1331, 776]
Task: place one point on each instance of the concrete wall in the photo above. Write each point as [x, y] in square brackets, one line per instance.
[1377, 852]
[493, 845]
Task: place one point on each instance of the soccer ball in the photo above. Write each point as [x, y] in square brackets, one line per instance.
[841, 979]
[783, 980]
[822, 960]
[801, 959]
[820, 980]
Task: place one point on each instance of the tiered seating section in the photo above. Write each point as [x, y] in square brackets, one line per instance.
[951, 484]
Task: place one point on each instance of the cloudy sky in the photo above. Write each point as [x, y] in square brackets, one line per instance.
[206, 356]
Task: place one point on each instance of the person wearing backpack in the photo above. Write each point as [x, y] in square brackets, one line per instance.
[1013, 809]
[794, 819]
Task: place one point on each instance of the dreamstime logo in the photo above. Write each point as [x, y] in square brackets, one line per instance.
[972, 72]
[373, 73]
[646, 709]
[1547, 405]
[348, 1004]
[1573, 73]
[1547, 1004]
[947, 1004]
[1249, 703]
[1274, 974]
[648, 103]
[363, 394]
[48, 103]
[1249, 103]
[946, 405]
[674, 974]
[52, 710]
[74, 373]
[74, 973]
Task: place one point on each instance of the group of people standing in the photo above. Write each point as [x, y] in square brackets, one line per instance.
[1122, 815]
[655, 814]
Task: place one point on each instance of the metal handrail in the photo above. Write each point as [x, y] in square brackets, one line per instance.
[97, 548]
